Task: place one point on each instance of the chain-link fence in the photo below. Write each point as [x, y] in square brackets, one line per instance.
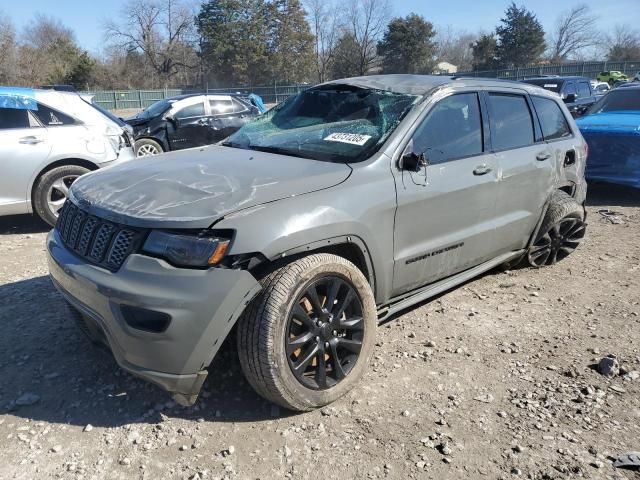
[140, 99]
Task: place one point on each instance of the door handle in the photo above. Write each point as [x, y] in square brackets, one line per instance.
[203, 121]
[541, 157]
[482, 169]
[30, 140]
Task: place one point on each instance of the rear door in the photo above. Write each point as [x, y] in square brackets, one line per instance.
[23, 148]
[444, 219]
[190, 126]
[525, 164]
[227, 115]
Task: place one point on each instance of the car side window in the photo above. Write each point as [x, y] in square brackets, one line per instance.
[570, 88]
[451, 130]
[195, 110]
[11, 118]
[511, 121]
[554, 123]
[50, 117]
[584, 90]
[238, 106]
[221, 107]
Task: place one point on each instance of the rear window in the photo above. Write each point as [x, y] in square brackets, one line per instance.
[52, 118]
[621, 100]
[511, 121]
[552, 120]
[221, 107]
[195, 110]
[584, 90]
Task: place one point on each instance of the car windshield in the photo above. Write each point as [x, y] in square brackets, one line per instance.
[155, 109]
[336, 123]
[622, 100]
[106, 113]
[547, 83]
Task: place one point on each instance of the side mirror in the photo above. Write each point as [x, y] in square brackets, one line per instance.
[411, 160]
[172, 119]
[570, 98]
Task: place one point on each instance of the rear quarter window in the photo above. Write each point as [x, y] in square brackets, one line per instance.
[50, 117]
[552, 120]
[511, 122]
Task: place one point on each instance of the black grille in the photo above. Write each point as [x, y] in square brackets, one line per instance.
[100, 242]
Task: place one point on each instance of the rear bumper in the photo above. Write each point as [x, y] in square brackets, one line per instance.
[203, 306]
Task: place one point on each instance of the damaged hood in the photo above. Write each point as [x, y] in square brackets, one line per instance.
[194, 188]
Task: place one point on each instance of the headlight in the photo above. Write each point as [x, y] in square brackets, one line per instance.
[186, 250]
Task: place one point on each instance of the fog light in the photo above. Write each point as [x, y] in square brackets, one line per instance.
[143, 319]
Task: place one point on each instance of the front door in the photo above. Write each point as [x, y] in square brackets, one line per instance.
[190, 125]
[23, 148]
[445, 214]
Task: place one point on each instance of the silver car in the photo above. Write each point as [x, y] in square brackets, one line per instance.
[338, 208]
[47, 140]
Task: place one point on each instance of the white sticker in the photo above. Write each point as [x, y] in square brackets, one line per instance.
[550, 85]
[350, 138]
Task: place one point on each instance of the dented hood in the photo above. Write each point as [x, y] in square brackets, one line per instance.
[194, 188]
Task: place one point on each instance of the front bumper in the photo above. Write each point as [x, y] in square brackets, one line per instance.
[203, 306]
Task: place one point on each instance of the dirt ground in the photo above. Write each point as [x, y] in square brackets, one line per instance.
[492, 380]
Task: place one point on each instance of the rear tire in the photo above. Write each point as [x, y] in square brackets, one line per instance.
[52, 190]
[302, 356]
[146, 147]
[561, 232]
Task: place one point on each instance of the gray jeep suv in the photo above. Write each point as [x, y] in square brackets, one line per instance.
[343, 205]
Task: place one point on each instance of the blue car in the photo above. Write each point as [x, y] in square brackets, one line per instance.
[612, 130]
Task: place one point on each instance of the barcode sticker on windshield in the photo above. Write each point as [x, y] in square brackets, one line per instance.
[550, 85]
[351, 138]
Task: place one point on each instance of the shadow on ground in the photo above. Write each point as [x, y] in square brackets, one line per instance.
[21, 224]
[43, 353]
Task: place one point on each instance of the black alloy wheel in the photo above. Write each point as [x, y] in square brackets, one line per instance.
[325, 330]
[557, 243]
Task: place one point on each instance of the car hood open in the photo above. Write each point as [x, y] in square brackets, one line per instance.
[194, 188]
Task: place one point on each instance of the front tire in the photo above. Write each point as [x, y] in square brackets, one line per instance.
[146, 147]
[307, 338]
[561, 232]
[52, 190]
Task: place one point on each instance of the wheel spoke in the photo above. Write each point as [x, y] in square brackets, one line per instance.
[352, 323]
[333, 293]
[299, 313]
[554, 256]
[60, 186]
[350, 344]
[308, 355]
[298, 342]
[312, 295]
[321, 370]
[555, 231]
[341, 306]
[338, 371]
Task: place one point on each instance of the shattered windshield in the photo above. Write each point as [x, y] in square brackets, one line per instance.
[155, 109]
[335, 123]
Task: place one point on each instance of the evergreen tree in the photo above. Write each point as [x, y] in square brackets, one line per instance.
[291, 54]
[520, 38]
[408, 46]
[484, 52]
[346, 62]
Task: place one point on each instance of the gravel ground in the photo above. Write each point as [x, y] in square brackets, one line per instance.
[496, 379]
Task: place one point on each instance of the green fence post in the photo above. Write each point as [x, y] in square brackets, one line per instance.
[140, 99]
[115, 100]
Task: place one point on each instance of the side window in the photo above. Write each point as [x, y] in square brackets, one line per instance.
[15, 118]
[238, 106]
[554, 123]
[195, 110]
[220, 107]
[584, 90]
[52, 118]
[511, 121]
[452, 129]
[569, 88]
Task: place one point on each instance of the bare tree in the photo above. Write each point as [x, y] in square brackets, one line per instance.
[162, 30]
[575, 31]
[367, 21]
[324, 20]
[623, 44]
[455, 47]
[8, 50]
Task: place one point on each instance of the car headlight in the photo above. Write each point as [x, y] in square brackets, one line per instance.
[186, 250]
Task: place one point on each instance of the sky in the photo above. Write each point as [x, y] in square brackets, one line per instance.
[86, 17]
